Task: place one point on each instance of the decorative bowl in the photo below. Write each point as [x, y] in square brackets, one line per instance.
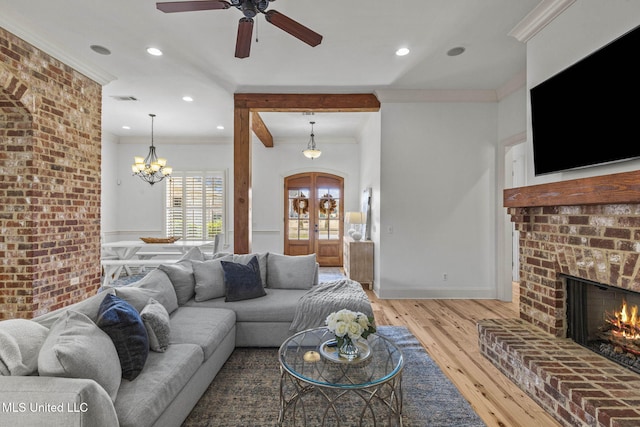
[160, 239]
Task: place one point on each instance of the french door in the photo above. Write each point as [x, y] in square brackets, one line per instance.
[313, 214]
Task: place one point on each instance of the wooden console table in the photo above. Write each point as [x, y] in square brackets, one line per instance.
[358, 260]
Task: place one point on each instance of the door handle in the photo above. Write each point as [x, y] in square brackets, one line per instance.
[315, 228]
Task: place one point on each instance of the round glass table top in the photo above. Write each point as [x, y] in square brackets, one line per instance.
[307, 356]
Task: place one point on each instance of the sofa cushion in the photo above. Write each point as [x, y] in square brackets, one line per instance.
[122, 322]
[142, 401]
[77, 348]
[291, 272]
[20, 342]
[205, 327]
[156, 285]
[278, 305]
[88, 307]
[193, 254]
[209, 278]
[263, 258]
[182, 279]
[156, 321]
[242, 281]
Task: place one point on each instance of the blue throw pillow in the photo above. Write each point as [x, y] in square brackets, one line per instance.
[122, 322]
[242, 281]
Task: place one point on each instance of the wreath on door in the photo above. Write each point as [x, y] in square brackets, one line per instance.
[327, 204]
[301, 205]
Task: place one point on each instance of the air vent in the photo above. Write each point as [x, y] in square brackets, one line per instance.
[124, 98]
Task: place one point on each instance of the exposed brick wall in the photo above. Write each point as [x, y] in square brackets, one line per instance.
[50, 141]
[595, 242]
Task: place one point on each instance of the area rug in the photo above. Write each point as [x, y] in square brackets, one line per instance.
[245, 393]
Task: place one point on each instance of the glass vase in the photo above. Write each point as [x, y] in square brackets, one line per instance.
[348, 349]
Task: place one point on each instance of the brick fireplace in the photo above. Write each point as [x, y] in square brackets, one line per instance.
[586, 228]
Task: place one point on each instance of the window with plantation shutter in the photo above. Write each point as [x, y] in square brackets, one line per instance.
[195, 205]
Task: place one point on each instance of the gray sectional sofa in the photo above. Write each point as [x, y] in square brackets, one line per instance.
[59, 370]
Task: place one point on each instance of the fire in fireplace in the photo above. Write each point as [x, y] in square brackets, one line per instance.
[605, 320]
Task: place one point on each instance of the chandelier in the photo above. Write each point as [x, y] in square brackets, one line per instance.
[311, 152]
[151, 168]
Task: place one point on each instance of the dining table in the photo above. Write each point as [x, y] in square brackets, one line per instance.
[140, 250]
[127, 249]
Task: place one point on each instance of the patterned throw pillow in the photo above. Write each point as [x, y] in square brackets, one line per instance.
[122, 322]
[156, 319]
[242, 281]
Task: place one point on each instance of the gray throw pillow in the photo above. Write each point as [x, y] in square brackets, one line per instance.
[77, 348]
[20, 342]
[291, 271]
[262, 261]
[182, 279]
[156, 285]
[209, 278]
[242, 281]
[156, 320]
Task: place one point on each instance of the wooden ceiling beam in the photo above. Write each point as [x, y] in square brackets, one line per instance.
[301, 102]
[261, 130]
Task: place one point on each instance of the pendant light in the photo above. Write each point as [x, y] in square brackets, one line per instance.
[151, 169]
[311, 152]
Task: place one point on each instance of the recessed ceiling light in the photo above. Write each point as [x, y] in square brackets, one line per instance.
[154, 51]
[126, 127]
[100, 49]
[187, 99]
[402, 51]
[456, 51]
[220, 127]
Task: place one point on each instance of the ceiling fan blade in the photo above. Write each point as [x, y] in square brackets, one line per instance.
[294, 28]
[243, 41]
[189, 6]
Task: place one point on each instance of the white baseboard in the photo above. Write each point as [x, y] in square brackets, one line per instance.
[435, 293]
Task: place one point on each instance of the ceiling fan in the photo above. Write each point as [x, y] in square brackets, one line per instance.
[249, 8]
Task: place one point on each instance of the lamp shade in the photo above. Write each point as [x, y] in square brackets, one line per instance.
[355, 218]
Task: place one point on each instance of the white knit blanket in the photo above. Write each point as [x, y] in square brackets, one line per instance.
[326, 298]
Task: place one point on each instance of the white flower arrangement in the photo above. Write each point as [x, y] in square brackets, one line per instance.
[351, 325]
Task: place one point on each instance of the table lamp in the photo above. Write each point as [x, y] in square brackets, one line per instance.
[355, 221]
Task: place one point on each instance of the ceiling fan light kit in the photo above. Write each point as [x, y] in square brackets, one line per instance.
[249, 8]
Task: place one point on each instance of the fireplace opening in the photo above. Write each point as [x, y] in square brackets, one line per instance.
[604, 319]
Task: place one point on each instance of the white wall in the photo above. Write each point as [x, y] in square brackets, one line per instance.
[370, 150]
[438, 198]
[108, 173]
[581, 29]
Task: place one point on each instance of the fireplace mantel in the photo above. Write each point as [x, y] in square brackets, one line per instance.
[606, 189]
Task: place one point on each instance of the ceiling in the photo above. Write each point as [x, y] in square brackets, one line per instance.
[357, 55]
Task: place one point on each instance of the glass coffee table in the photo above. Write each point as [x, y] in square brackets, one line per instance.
[318, 388]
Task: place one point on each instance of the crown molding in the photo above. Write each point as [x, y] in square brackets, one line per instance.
[99, 76]
[427, 95]
[515, 83]
[545, 12]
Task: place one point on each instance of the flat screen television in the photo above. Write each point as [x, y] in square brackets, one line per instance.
[588, 113]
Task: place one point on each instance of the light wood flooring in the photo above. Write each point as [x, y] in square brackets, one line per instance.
[447, 330]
